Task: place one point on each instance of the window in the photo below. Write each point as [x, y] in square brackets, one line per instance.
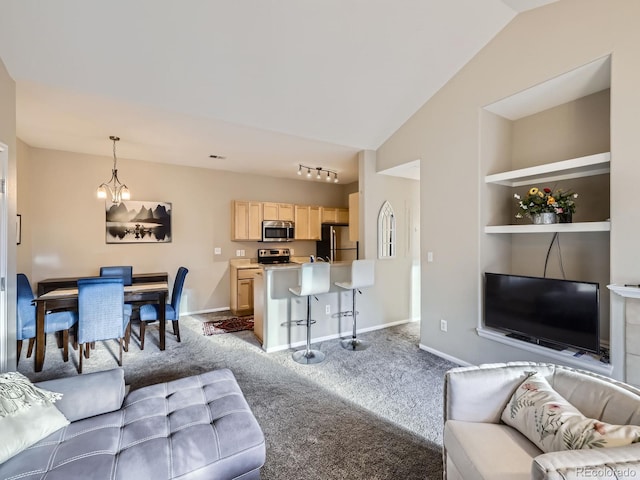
[386, 232]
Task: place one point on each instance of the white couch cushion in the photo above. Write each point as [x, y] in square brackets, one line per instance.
[475, 448]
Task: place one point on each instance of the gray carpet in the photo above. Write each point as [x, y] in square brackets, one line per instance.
[372, 414]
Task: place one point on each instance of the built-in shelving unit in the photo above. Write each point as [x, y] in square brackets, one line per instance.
[531, 127]
[568, 356]
[554, 227]
[590, 165]
[597, 164]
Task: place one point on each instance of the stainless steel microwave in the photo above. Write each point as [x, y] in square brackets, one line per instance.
[277, 231]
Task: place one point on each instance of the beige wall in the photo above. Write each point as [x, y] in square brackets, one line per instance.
[445, 133]
[8, 137]
[63, 222]
[394, 276]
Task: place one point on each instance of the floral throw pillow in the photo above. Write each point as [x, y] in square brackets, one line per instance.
[552, 423]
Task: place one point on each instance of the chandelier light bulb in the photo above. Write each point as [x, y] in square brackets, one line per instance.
[299, 169]
[114, 187]
[335, 180]
[308, 173]
[328, 177]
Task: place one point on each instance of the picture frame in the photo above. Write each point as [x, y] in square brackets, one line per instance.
[18, 229]
[133, 222]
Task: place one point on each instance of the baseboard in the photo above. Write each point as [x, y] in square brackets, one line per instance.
[209, 310]
[446, 356]
[345, 334]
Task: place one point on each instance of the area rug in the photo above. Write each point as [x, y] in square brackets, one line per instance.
[228, 325]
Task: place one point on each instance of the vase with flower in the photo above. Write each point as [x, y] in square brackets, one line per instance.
[544, 206]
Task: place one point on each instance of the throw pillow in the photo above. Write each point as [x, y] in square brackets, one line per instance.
[17, 393]
[552, 423]
[27, 414]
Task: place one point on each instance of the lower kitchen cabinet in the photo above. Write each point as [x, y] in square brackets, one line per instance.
[242, 290]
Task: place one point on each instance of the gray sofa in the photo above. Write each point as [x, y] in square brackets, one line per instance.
[198, 427]
[477, 445]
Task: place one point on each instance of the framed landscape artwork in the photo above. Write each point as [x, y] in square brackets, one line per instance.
[138, 222]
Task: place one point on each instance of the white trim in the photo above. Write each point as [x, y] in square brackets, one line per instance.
[334, 336]
[209, 310]
[4, 270]
[440, 354]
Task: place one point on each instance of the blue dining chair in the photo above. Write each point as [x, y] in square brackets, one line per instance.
[150, 311]
[124, 271]
[101, 314]
[26, 320]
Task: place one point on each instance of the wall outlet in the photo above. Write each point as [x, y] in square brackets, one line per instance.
[327, 309]
[238, 253]
[429, 257]
[217, 251]
[242, 253]
[291, 251]
[443, 325]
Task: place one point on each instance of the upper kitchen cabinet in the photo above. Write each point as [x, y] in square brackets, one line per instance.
[277, 211]
[246, 220]
[334, 215]
[308, 225]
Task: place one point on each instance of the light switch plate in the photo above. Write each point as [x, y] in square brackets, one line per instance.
[217, 251]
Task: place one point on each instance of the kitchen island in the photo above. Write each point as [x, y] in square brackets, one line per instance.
[280, 316]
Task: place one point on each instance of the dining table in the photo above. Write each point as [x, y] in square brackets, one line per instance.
[66, 298]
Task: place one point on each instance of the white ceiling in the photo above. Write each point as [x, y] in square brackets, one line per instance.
[267, 84]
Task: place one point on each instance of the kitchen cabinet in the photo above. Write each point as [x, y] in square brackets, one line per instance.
[241, 301]
[335, 215]
[277, 211]
[308, 224]
[246, 220]
[354, 213]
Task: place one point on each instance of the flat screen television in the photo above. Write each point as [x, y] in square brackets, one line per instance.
[550, 312]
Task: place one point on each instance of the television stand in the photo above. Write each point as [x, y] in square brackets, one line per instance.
[535, 341]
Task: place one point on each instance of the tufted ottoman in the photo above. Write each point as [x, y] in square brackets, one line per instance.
[198, 427]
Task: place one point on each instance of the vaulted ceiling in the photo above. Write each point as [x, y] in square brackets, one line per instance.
[267, 84]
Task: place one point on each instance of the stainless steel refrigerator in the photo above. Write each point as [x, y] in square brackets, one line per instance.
[335, 245]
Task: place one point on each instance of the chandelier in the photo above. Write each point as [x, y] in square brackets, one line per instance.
[114, 186]
[319, 172]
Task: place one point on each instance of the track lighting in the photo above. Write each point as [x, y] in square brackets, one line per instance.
[319, 171]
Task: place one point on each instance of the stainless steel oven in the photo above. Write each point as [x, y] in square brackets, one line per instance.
[277, 231]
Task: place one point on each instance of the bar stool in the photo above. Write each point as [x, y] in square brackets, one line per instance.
[362, 275]
[314, 280]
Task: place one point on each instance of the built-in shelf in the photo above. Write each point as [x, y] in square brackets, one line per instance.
[569, 357]
[625, 291]
[553, 227]
[590, 165]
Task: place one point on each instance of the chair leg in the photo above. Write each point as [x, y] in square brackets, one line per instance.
[18, 350]
[308, 356]
[176, 329]
[354, 343]
[87, 350]
[80, 348]
[65, 345]
[120, 342]
[59, 339]
[32, 342]
[143, 326]
[127, 337]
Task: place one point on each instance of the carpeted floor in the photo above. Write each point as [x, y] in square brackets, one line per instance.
[372, 414]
